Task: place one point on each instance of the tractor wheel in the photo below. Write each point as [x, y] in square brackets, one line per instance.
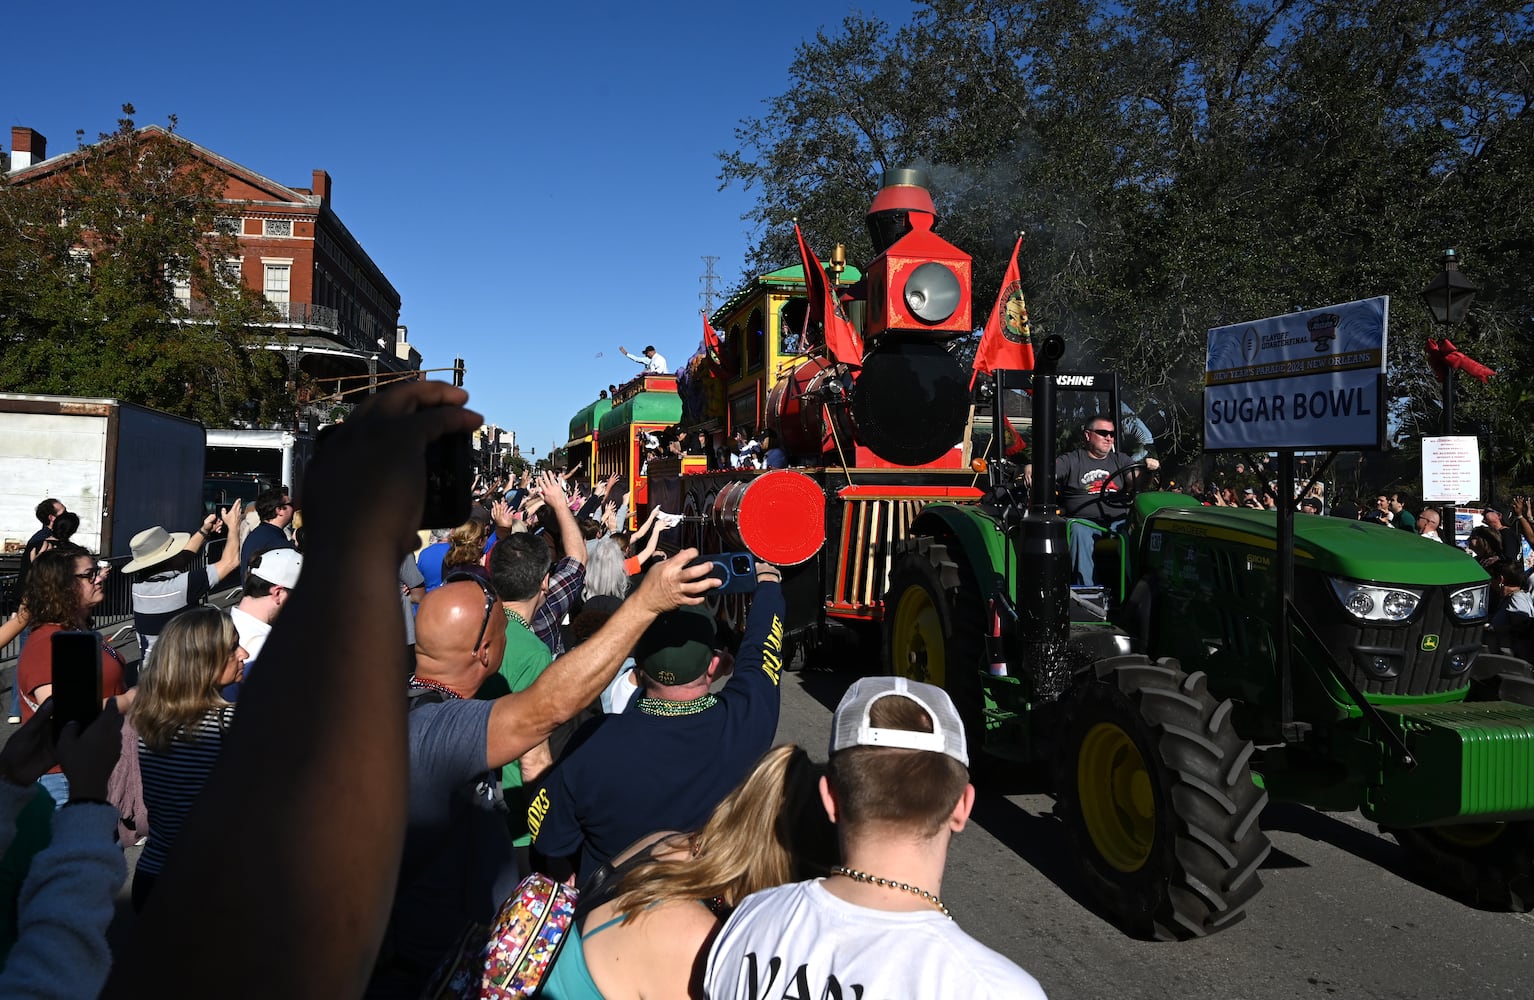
[1153, 785]
[932, 630]
[1490, 865]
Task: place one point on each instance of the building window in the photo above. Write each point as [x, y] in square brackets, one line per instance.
[227, 271]
[180, 282]
[277, 227]
[277, 279]
[229, 225]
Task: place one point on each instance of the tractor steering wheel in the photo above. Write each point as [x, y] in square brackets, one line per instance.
[1123, 494]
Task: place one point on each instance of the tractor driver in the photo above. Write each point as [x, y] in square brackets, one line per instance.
[1080, 476]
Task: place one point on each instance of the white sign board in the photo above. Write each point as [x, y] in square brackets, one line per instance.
[1306, 380]
[1451, 469]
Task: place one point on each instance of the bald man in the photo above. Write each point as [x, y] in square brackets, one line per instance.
[458, 862]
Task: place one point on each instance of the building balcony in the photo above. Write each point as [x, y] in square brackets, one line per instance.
[307, 317]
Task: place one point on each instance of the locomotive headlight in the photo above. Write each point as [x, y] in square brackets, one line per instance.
[932, 292]
[1470, 603]
[1376, 604]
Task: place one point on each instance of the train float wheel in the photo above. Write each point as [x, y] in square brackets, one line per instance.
[932, 630]
[1154, 788]
[1490, 865]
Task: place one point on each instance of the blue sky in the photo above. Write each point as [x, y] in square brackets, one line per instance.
[537, 180]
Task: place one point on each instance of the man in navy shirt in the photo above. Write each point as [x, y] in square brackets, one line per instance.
[275, 508]
[689, 747]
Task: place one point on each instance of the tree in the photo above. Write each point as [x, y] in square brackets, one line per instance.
[90, 261]
[1182, 164]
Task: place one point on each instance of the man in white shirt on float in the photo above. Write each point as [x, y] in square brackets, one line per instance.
[653, 363]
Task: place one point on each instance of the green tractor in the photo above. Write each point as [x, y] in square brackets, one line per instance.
[1174, 705]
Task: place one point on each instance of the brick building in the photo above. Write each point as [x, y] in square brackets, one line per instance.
[338, 315]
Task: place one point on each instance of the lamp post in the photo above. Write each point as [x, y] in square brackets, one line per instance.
[1448, 297]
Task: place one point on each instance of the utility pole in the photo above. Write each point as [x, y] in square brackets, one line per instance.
[708, 277]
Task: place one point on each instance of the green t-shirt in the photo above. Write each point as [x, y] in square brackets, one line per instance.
[525, 658]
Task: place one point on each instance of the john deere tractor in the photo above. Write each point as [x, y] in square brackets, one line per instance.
[1177, 700]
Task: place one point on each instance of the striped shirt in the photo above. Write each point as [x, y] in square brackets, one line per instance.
[173, 780]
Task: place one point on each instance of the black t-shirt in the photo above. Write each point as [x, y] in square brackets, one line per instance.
[1080, 479]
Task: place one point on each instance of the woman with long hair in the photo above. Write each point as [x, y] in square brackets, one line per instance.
[181, 721]
[604, 571]
[63, 589]
[466, 545]
[649, 916]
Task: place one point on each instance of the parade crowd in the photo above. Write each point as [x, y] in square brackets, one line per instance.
[409, 731]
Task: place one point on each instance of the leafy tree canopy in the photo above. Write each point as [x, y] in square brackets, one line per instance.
[1182, 164]
[89, 261]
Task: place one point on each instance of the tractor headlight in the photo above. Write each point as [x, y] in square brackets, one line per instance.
[1376, 604]
[932, 292]
[1470, 603]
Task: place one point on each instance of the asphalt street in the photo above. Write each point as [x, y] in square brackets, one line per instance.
[1339, 913]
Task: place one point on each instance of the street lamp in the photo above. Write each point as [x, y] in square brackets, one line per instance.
[1448, 297]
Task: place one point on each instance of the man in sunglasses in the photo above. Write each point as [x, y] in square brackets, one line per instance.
[275, 508]
[1080, 476]
[459, 860]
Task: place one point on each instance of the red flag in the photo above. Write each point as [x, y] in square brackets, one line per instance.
[1443, 355]
[1012, 443]
[842, 340]
[1007, 341]
[711, 346]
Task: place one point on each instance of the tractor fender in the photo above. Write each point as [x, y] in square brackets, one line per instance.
[983, 548]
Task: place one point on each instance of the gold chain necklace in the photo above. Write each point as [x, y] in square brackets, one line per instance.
[858, 876]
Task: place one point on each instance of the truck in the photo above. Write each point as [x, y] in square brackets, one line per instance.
[121, 467]
[241, 463]
[1174, 702]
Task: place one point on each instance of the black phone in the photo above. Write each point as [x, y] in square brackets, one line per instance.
[736, 571]
[449, 481]
[76, 679]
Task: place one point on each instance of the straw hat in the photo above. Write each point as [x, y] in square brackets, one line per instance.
[154, 545]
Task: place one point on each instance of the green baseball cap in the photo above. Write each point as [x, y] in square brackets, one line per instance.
[678, 645]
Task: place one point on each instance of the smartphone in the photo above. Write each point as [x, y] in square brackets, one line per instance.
[736, 571]
[76, 679]
[449, 482]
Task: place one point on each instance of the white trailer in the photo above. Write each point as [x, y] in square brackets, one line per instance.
[121, 467]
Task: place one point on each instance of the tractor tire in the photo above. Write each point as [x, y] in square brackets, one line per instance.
[1153, 785]
[933, 623]
[1490, 865]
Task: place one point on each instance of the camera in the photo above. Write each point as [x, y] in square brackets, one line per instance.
[736, 571]
[449, 481]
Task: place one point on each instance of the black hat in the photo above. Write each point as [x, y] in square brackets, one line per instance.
[678, 646]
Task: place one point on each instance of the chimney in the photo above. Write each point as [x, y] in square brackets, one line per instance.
[28, 146]
[321, 186]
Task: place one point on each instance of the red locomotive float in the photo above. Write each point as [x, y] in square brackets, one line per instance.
[872, 432]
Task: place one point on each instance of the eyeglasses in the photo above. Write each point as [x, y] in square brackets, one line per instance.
[95, 573]
[490, 598]
[1094, 430]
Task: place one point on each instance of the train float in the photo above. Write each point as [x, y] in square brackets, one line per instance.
[871, 439]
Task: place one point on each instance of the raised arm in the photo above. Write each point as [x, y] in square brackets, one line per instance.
[570, 538]
[519, 722]
[229, 560]
[286, 789]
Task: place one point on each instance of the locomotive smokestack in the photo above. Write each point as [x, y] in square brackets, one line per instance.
[889, 217]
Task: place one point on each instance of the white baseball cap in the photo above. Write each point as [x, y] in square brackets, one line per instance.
[850, 726]
[278, 566]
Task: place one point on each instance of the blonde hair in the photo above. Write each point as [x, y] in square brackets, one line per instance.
[179, 682]
[770, 830]
[466, 545]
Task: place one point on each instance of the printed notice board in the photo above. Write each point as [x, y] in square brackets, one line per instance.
[1311, 380]
[1451, 469]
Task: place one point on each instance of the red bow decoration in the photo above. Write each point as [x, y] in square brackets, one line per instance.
[1443, 355]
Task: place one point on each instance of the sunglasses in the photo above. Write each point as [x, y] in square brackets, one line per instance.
[490, 598]
[1094, 430]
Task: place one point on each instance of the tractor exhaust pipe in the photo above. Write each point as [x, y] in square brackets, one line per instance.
[1044, 588]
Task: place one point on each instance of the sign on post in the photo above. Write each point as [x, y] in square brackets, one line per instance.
[1451, 469]
[1312, 380]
